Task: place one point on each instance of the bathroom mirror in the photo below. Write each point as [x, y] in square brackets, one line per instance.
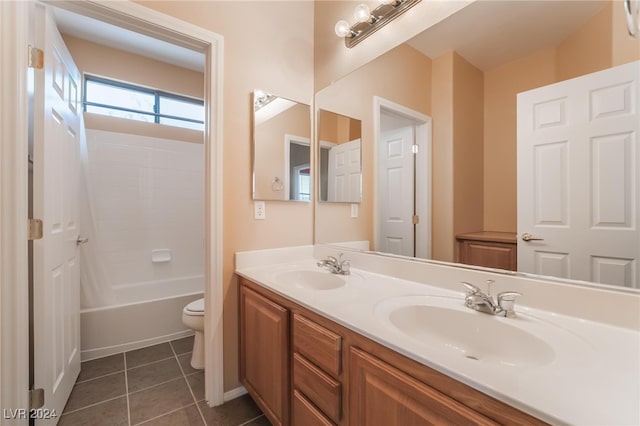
[339, 158]
[464, 74]
[281, 148]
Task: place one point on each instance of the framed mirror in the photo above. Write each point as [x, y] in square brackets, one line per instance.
[466, 83]
[339, 158]
[281, 148]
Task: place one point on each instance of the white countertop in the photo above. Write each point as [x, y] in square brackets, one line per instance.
[592, 376]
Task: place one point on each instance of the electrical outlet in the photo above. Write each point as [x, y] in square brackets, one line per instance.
[259, 210]
[354, 210]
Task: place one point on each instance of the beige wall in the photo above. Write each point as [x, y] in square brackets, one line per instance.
[278, 59]
[123, 66]
[442, 247]
[500, 88]
[337, 128]
[353, 96]
[457, 165]
[468, 129]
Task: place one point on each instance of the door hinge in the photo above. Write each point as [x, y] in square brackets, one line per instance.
[415, 149]
[35, 229]
[36, 58]
[416, 219]
[36, 398]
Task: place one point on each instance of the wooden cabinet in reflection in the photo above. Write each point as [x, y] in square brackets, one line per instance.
[489, 249]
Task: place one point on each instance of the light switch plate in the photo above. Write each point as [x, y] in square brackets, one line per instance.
[354, 210]
[259, 210]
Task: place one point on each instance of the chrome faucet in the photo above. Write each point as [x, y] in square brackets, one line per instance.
[336, 266]
[477, 300]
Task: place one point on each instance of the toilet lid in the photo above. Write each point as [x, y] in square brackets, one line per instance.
[195, 307]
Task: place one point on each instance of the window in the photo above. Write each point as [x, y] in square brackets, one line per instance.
[116, 99]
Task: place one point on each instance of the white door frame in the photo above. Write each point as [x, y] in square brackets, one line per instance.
[14, 276]
[14, 303]
[423, 171]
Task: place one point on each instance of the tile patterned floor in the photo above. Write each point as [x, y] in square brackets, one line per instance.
[151, 386]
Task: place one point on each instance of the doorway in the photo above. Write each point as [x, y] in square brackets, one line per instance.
[402, 180]
[136, 18]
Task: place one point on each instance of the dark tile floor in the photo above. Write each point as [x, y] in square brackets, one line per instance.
[152, 386]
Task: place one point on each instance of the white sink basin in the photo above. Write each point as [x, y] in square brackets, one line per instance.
[310, 279]
[444, 324]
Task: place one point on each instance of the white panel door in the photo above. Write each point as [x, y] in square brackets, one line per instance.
[578, 178]
[345, 172]
[56, 297]
[396, 191]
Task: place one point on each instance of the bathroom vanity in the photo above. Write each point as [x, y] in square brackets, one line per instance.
[373, 348]
[304, 369]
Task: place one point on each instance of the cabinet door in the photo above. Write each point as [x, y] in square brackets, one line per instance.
[382, 395]
[264, 360]
[489, 254]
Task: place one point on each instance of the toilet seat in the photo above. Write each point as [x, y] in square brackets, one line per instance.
[195, 308]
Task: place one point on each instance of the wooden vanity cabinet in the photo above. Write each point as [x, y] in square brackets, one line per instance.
[383, 395]
[330, 375]
[264, 354]
[489, 249]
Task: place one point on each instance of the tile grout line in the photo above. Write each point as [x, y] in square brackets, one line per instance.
[163, 415]
[126, 384]
[98, 377]
[92, 405]
[184, 376]
[250, 420]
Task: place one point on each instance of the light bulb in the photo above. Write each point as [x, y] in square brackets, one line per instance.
[362, 13]
[342, 28]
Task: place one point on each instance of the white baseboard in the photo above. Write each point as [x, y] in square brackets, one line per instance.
[234, 393]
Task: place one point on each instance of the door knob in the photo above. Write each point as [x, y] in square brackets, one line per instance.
[528, 237]
[81, 240]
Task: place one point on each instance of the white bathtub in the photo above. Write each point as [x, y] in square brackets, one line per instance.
[144, 314]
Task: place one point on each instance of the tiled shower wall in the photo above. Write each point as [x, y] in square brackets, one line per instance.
[146, 194]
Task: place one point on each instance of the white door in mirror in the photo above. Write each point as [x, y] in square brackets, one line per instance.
[578, 178]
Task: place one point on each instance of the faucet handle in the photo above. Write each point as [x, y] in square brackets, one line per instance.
[345, 266]
[470, 288]
[507, 301]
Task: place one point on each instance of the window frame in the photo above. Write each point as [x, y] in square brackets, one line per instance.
[156, 114]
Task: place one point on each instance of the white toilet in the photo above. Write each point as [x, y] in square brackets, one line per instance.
[193, 317]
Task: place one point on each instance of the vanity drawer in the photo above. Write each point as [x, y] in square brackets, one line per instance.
[305, 413]
[322, 390]
[316, 343]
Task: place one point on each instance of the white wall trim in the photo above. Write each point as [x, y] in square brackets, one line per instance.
[423, 178]
[13, 184]
[234, 393]
[14, 300]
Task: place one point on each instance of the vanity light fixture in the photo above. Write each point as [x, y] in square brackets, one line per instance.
[369, 21]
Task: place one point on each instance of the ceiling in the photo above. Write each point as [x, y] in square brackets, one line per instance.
[488, 33]
[119, 38]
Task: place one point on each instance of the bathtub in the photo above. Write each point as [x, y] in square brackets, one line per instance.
[144, 314]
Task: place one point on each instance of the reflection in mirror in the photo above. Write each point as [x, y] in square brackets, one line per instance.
[339, 156]
[468, 83]
[281, 148]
